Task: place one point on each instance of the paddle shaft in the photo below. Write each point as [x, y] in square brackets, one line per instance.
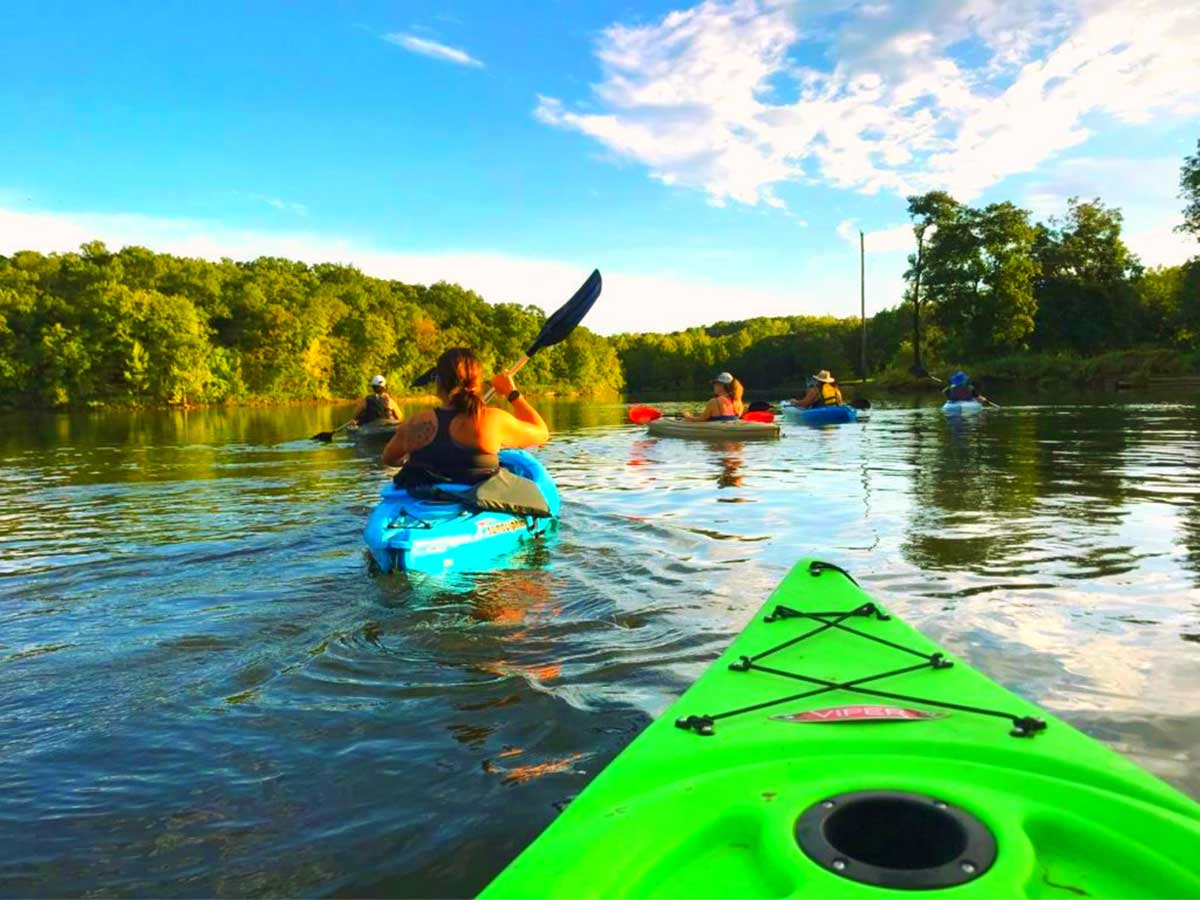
[516, 367]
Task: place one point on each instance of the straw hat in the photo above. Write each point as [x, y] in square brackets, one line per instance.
[824, 377]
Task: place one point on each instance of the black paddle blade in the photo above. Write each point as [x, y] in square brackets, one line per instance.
[323, 436]
[570, 314]
[860, 403]
[557, 327]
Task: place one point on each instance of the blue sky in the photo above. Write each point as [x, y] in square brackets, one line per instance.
[715, 160]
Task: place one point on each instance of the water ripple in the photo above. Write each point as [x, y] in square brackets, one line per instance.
[204, 691]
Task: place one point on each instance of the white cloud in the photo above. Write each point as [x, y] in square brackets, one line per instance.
[426, 47]
[1161, 245]
[282, 205]
[895, 239]
[632, 301]
[1144, 190]
[713, 98]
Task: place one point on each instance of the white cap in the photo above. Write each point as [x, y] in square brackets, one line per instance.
[378, 381]
[724, 378]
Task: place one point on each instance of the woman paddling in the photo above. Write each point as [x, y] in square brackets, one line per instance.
[460, 441]
[726, 403]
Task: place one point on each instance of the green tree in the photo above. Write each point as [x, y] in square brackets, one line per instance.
[1189, 192]
[1086, 299]
[929, 212]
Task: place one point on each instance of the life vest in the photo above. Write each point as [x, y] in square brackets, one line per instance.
[445, 460]
[376, 408]
[829, 395]
[961, 392]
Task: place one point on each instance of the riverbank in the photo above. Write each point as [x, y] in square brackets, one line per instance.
[555, 393]
[1112, 371]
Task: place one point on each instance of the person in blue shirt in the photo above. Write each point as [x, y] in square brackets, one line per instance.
[960, 389]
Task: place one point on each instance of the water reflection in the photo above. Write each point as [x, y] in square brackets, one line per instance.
[204, 691]
[731, 460]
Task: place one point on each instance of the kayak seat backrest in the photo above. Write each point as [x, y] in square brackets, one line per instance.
[504, 492]
[521, 487]
[519, 462]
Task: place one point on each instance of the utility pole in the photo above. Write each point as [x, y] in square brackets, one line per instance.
[862, 295]
[917, 367]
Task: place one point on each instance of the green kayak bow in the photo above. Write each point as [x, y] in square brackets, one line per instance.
[834, 751]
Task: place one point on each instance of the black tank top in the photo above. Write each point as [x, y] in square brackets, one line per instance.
[444, 459]
[376, 408]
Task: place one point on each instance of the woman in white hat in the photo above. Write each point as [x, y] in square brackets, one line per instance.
[726, 403]
[376, 405]
[824, 392]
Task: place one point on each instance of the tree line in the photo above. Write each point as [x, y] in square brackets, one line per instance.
[140, 327]
[982, 282]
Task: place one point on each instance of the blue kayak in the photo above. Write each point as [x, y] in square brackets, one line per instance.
[821, 415]
[960, 407]
[407, 533]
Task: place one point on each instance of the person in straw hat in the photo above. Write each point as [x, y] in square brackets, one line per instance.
[823, 392]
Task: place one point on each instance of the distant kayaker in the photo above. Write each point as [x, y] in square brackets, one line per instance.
[460, 441]
[823, 391]
[726, 403]
[376, 405]
[960, 389]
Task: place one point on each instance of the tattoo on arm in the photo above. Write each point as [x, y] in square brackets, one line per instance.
[419, 433]
[411, 435]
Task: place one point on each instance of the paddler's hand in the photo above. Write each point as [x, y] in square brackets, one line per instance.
[503, 384]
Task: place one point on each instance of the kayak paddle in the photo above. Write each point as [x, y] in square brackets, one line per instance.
[922, 372]
[642, 415]
[556, 330]
[860, 403]
[326, 436]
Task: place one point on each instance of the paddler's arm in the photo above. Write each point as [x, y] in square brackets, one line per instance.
[710, 410]
[362, 405]
[411, 435]
[523, 427]
[394, 409]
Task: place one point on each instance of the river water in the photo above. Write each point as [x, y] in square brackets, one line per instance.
[203, 691]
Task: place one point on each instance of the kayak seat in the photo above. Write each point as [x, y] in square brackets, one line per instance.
[504, 492]
[519, 487]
